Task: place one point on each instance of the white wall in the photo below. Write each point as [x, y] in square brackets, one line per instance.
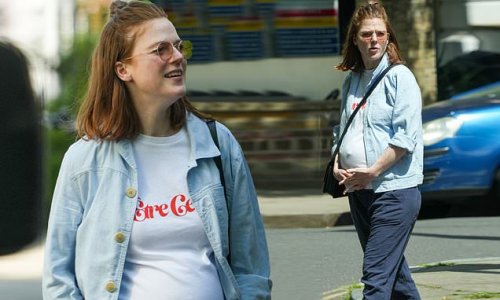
[483, 13]
[39, 28]
[474, 20]
[311, 78]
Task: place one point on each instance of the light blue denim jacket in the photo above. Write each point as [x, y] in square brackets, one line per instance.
[392, 116]
[94, 205]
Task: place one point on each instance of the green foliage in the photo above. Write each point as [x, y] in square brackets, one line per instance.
[439, 264]
[354, 286]
[483, 295]
[73, 72]
[57, 142]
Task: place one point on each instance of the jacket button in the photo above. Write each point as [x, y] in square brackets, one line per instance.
[120, 237]
[131, 192]
[111, 287]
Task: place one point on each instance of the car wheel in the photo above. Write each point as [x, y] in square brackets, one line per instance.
[493, 197]
[496, 187]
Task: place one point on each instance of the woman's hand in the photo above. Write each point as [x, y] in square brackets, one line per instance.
[342, 175]
[359, 178]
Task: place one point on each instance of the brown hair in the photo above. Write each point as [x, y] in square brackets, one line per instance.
[351, 56]
[106, 111]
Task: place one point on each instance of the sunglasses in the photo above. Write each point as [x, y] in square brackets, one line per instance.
[165, 50]
[367, 35]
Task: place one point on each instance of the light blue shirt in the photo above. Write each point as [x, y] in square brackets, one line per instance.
[392, 116]
[94, 205]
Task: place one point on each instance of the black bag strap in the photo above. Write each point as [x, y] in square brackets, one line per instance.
[217, 159]
[218, 162]
[363, 101]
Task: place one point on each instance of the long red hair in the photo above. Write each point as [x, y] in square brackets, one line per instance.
[351, 56]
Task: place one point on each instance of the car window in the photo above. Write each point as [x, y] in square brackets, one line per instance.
[486, 91]
[467, 72]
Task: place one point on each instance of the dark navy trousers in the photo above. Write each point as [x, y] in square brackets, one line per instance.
[384, 222]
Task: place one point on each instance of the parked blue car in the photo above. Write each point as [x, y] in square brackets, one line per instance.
[462, 146]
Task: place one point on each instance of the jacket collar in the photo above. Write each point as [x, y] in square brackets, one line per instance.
[200, 139]
[384, 62]
[202, 144]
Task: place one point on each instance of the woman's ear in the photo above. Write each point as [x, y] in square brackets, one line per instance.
[122, 71]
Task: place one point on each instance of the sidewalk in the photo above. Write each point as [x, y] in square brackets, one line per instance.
[456, 279]
[447, 280]
[23, 265]
[303, 209]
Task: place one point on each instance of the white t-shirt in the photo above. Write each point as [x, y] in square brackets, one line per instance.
[352, 151]
[169, 255]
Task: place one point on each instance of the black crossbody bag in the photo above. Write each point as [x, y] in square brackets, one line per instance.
[330, 183]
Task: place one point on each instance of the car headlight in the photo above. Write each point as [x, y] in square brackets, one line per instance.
[437, 130]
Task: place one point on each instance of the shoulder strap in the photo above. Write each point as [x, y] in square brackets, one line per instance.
[361, 103]
[218, 162]
[217, 159]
